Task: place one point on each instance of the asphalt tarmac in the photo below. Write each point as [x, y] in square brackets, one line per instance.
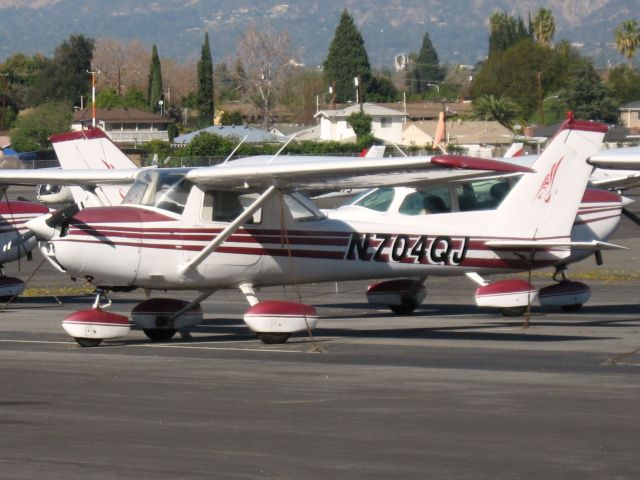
[452, 392]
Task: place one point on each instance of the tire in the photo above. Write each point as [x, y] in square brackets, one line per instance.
[88, 342]
[273, 338]
[406, 308]
[513, 311]
[159, 334]
[571, 308]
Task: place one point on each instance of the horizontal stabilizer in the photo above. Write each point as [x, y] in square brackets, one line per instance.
[528, 245]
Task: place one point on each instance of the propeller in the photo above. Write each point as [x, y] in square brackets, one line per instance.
[63, 215]
[44, 227]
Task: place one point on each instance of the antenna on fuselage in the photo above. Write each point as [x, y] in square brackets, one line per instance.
[282, 148]
[235, 149]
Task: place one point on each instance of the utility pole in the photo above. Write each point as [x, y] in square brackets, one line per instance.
[4, 99]
[93, 74]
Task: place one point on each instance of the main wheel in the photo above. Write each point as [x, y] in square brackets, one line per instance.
[88, 342]
[513, 311]
[159, 334]
[571, 308]
[406, 308]
[273, 338]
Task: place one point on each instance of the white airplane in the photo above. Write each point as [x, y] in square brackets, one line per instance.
[244, 224]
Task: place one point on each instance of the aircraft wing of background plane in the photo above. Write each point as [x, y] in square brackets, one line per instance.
[309, 173]
[617, 158]
[88, 178]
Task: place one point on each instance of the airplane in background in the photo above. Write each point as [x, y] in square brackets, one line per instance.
[245, 224]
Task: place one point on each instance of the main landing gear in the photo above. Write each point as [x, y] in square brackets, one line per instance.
[402, 296]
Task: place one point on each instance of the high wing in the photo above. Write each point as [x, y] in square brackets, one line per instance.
[87, 178]
[617, 158]
[311, 173]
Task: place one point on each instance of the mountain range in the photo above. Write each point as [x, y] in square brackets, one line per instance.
[458, 28]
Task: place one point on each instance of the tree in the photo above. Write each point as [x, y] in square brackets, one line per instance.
[266, 63]
[23, 77]
[624, 84]
[347, 59]
[544, 26]
[154, 85]
[302, 89]
[587, 96]
[66, 78]
[501, 109]
[233, 117]
[505, 32]
[361, 124]
[205, 85]
[426, 70]
[120, 65]
[627, 36]
[33, 129]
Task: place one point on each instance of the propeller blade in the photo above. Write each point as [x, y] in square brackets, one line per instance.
[62, 215]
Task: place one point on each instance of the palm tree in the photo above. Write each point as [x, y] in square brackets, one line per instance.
[501, 109]
[627, 38]
[544, 26]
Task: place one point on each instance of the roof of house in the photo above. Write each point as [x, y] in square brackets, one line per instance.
[469, 132]
[369, 108]
[630, 106]
[119, 115]
[254, 135]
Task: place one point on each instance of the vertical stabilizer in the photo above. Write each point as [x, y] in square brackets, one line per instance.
[543, 205]
[92, 149]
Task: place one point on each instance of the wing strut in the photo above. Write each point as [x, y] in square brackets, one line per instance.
[227, 232]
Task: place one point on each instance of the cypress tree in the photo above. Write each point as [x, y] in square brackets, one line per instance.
[426, 68]
[205, 84]
[347, 59]
[154, 85]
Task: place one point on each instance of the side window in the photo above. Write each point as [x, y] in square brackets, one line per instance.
[224, 206]
[482, 194]
[427, 201]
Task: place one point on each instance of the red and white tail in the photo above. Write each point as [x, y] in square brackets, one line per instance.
[543, 205]
[92, 149]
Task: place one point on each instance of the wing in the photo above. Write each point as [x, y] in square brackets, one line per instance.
[617, 158]
[85, 178]
[311, 173]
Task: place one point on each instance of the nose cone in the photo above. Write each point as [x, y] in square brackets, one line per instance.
[40, 228]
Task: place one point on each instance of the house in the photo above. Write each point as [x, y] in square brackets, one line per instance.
[475, 137]
[124, 125]
[253, 135]
[386, 125]
[630, 115]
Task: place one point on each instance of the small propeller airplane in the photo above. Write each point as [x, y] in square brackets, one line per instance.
[245, 224]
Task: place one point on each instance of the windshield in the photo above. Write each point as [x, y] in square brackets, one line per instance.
[379, 199]
[160, 188]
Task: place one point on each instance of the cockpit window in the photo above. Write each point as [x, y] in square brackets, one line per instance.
[482, 194]
[301, 208]
[161, 188]
[427, 201]
[379, 199]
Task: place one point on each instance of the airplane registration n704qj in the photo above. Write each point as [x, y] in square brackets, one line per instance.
[245, 224]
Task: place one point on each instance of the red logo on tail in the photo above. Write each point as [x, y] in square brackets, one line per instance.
[545, 190]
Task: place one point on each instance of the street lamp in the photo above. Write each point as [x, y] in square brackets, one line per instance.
[434, 85]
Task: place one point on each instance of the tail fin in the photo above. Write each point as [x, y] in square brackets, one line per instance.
[92, 149]
[543, 205]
